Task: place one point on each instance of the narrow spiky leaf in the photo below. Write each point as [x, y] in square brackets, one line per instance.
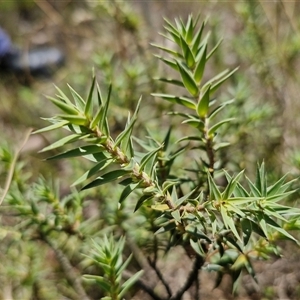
[188, 80]
[89, 103]
[203, 103]
[179, 100]
[66, 107]
[201, 61]
[108, 177]
[80, 103]
[187, 53]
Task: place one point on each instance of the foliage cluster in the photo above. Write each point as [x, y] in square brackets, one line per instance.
[142, 197]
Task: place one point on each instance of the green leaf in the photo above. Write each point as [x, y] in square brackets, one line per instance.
[229, 222]
[129, 283]
[75, 120]
[188, 80]
[142, 200]
[99, 96]
[179, 100]
[108, 177]
[215, 127]
[80, 151]
[219, 108]
[172, 81]
[103, 282]
[276, 187]
[128, 190]
[197, 39]
[103, 121]
[148, 156]
[214, 50]
[197, 248]
[247, 230]
[216, 85]
[170, 51]
[189, 29]
[80, 103]
[232, 185]
[215, 78]
[201, 61]
[187, 53]
[61, 142]
[127, 132]
[195, 123]
[67, 108]
[213, 189]
[203, 103]
[253, 188]
[102, 164]
[89, 103]
[57, 125]
[62, 96]
[170, 63]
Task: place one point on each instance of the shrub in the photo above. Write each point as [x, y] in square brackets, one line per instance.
[176, 192]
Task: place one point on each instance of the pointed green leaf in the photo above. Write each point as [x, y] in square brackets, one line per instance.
[148, 156]
[51, 127]
[188, 80]
[129, 283]
[275, 188]
[197, 39]
[216, 85]
[253, 188]
[101, 165]
[61, 142]
[189, 29]
[103, 121]
[215, 127]
[170, 63]
[179, 100]
[129, 126]
[172, 81]
[219, 108]
[108, 177]
[128, 190]
[187, 53]
[232, 185]
[103, 282]
[260, 182]
[142, 200]
[214, 50]
[197, 248]
[195, 123]
[75, 120]
[203, 103]
[80, 103]
[67, 108]
[229, 222]
[81, 151]
[201, 61]
[247, 230]
[170, 51]
[89, 103]
[214, 192]
[62, 96]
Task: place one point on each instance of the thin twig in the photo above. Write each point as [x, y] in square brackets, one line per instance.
[13, 164]
[69, 271]
[160, 276]
[149, 290]
[193, 276]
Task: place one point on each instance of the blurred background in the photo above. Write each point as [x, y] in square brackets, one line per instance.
[113, 39]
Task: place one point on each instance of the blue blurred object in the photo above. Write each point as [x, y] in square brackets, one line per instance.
[5, 43]
[42, 61]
